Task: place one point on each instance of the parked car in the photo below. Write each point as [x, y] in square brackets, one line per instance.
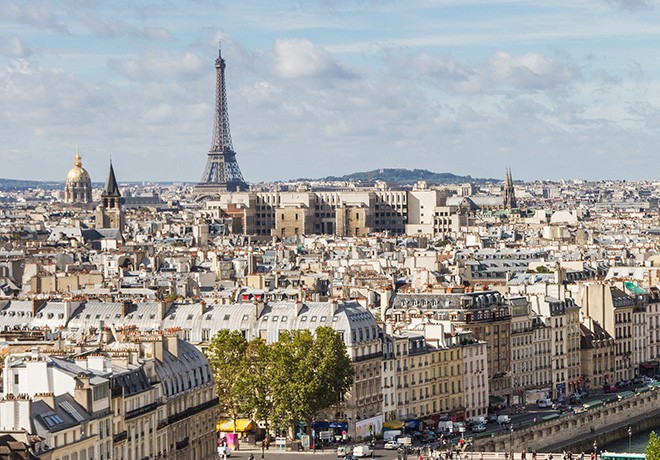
[391, 445]
[609, 389]
[343, 451]
[362, 450]
[563, 408]
[544, 402]
[478, 428]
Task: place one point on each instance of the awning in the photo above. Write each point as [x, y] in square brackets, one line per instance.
[393, 425]
[412, 424]
[242, 425]
[341, 425]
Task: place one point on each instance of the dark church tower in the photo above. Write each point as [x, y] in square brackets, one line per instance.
[109, 214]
[509, 192]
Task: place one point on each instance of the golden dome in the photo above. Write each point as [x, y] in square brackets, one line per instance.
[78, 173]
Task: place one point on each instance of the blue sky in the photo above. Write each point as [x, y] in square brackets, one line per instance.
[552, 89]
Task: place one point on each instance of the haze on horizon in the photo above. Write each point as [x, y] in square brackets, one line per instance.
[330, 87]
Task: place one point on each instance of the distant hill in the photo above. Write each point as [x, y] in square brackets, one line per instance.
[403, 177]
[18, 184]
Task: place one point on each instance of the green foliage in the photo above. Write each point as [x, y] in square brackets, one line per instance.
[226, 355]
[309, 374]
[543, 269]
[287, 382]
[653, 447]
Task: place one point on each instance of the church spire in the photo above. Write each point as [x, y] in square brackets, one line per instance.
[111, 188]
[509, 191]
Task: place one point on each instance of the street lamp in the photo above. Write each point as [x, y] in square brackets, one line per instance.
[629, 439]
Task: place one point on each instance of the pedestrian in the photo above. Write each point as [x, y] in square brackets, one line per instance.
[251, 457]
[534, 455]
[550, 457]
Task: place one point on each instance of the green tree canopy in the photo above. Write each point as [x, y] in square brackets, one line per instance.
[226, 355]
[653, 447]
[287, 382]
[308, 374]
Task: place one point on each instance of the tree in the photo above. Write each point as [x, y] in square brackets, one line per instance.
[254, 385]
[308, 374]
[653, 447]
[226, 355]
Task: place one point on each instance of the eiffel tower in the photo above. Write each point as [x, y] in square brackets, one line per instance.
[221, 173]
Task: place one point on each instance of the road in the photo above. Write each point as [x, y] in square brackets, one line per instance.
[379, 453]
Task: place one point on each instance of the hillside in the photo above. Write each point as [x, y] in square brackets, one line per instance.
[403, 177]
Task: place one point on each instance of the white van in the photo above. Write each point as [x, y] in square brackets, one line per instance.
[544, 402]
[362, 450]
[503, 419]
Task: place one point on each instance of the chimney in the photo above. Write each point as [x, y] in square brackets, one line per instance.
[83, 392]
[299, 306]
[37, 304]
[158, 348]
[48, 398]
[163, 308]
[333, 307]
[202, 307]
[258, 309]
[173, 344]
[125, 307]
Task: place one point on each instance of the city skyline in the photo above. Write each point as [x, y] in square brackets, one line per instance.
[331, 87]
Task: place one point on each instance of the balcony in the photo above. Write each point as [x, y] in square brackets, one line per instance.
[120, 437]
[185, 442]
[192, 411]
[141, 411]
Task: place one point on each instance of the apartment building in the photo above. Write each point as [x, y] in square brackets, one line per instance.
[522, 349]
[597, 355]
[142, 397]
[613, 309]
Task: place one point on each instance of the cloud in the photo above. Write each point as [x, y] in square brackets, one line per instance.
[529, 71]
[294, 59]
[34, 13]
[115, 28]
[501, 72]
[14, 47]
[631, 5]
[158, 64]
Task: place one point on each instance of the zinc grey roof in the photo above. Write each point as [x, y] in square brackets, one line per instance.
[188, 370]
[66, 414]
[132, 381]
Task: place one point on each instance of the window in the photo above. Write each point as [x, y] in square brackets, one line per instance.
[16, 379]
[313, 318]
[226, 317]
[100, 391]
[303, 319]
[275, 318]
[324, 319]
